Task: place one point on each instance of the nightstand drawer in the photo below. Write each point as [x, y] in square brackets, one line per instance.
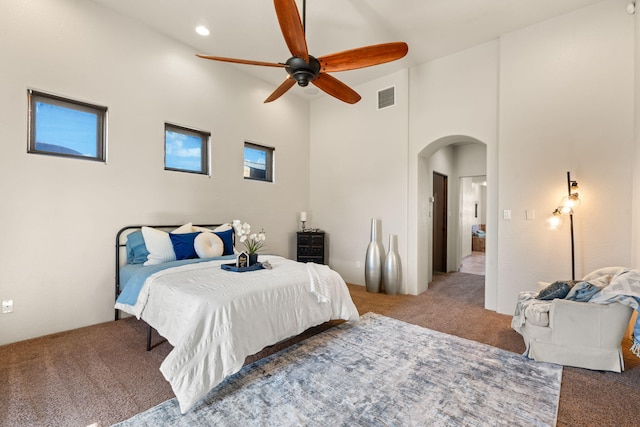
[304, 239]
[304, 250]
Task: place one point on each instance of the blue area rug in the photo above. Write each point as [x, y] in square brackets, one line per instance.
[377, 372]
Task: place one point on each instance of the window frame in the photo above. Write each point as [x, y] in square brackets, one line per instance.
[270, 156]
[101, 112]
[205, 151]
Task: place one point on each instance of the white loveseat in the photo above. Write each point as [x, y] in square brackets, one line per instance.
[580, 334]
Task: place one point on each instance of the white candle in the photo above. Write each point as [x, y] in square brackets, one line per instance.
[303, 216]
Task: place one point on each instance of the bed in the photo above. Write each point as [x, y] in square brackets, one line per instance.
[215, 318]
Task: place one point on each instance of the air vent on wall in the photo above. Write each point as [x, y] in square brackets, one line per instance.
[386, 97]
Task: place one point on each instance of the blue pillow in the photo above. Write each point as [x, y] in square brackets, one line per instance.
[183, 245]
[582, 292]
[227, 240]
[136, 249]
[558, 289]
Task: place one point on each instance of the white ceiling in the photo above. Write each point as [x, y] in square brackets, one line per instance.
[248, 29]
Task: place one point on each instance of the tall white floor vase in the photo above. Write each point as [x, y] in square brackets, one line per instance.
[391, 267]
[373, 261]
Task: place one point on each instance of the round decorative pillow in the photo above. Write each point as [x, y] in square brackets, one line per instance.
[208, 245]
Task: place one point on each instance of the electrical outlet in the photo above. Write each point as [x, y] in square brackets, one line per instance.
[7, 306]
[357, 264]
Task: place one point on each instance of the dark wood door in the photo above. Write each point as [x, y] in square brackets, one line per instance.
[439, 222]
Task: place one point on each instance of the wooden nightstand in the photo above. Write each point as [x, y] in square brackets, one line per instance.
[312, 247]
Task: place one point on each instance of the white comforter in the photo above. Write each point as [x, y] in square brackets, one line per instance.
[216, 318]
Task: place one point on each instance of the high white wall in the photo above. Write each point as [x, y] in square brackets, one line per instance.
[358, 172]
[60, 216]
[566, 104]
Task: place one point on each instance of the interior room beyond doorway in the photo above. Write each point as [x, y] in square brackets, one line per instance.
[473, 196]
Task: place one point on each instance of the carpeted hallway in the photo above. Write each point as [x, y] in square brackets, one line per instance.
[102, 374]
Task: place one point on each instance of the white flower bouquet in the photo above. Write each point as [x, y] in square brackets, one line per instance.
[252, 241]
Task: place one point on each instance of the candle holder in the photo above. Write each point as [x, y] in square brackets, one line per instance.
[303, 220]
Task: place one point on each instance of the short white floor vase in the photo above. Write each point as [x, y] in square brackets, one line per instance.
[391, 267]
[373, 261]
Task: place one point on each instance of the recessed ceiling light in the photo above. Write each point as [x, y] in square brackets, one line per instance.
[631, 8]
[202, 30]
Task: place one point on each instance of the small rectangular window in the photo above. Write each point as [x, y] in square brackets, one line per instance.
[258, 162]
[64, 127]
[186, 150]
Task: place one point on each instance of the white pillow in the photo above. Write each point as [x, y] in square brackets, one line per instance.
[201, 229]
[606, 271]
[208, 245]
[223, 227]
[159, 244]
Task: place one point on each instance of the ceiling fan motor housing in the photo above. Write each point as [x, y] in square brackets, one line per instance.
[302, 72]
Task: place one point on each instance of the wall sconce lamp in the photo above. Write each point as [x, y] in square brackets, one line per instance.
[567, 205]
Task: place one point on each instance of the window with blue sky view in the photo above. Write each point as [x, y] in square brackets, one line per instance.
[255, 160]
[185, 149]
[258, 162]
[64, 127]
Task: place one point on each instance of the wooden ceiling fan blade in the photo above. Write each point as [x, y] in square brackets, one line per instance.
[281, 90]
[291, 27]
[336, 88]
[241, 61]
[363, 57]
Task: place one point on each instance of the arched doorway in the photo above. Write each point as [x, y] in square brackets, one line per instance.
[454, 156]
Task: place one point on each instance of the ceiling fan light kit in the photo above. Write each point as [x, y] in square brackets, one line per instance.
[304, 68]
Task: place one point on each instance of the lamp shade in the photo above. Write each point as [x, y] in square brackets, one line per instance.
[565, 210]
[554, 221]
[569, 202]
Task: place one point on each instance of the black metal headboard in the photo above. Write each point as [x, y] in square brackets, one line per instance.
[120, 243]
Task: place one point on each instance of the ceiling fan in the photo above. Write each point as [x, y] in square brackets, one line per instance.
[304, 68]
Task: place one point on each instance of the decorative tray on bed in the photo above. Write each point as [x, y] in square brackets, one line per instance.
[233, 267]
